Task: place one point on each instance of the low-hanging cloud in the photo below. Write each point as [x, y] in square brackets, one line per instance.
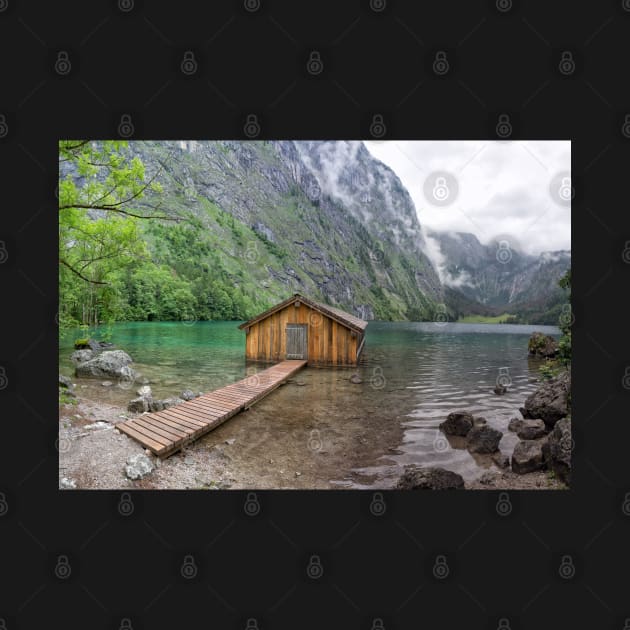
[504, 188]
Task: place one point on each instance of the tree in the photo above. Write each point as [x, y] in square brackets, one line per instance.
[99, 190]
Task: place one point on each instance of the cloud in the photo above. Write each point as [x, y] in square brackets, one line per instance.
[504, 187]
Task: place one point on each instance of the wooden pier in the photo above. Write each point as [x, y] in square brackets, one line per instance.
[165, 432]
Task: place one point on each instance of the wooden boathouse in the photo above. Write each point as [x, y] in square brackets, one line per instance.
[300, 328]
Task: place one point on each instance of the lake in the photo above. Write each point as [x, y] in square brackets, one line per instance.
[329, 431]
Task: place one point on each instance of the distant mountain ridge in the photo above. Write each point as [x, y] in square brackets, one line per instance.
[497, 277]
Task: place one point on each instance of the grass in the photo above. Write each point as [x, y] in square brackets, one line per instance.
[484, 319]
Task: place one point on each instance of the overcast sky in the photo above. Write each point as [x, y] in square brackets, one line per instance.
[492, 189]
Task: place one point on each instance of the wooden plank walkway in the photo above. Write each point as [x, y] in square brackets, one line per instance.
[165, 432]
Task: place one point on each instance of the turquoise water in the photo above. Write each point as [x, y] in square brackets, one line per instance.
[413, 375]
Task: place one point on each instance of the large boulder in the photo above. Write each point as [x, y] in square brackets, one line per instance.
[528, 456]
[542, 345]
[81, 356]
[557, 450]
[418, 478]
[458, 423]
[550, 401]
[531, 430]
[138, 466]
[483, 439]
[109, 363]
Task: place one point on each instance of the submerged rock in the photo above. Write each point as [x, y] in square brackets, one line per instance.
[542, 345]
[531, 430]
[499, 389]
[457, 423]
[188, 394]
[557, 450]
[528, 456]
[138, 405]
[144, 391]
[483, 439]
[356, 379]
[156, 405]
[550, 401]
[139, 466]
[433, 478]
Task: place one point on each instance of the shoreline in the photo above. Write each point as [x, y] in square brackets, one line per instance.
[93, 455]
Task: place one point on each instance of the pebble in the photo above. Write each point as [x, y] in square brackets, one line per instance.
[107, 383]
[298, 474]
[230, 441]
[189, 460]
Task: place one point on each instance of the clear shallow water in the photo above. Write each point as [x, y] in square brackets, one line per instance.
[414, 375]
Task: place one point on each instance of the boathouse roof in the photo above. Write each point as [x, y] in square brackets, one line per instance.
[346, 319]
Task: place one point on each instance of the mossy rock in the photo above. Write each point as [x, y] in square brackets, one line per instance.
[82, 344]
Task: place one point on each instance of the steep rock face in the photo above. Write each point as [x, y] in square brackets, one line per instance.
[323, 218]
[497, 278]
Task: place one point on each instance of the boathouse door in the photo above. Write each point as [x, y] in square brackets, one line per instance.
[297, 343]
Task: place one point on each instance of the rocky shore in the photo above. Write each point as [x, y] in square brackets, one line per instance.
[541, 457]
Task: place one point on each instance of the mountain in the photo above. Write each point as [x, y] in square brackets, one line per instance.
[322, 218]
[498, 278]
